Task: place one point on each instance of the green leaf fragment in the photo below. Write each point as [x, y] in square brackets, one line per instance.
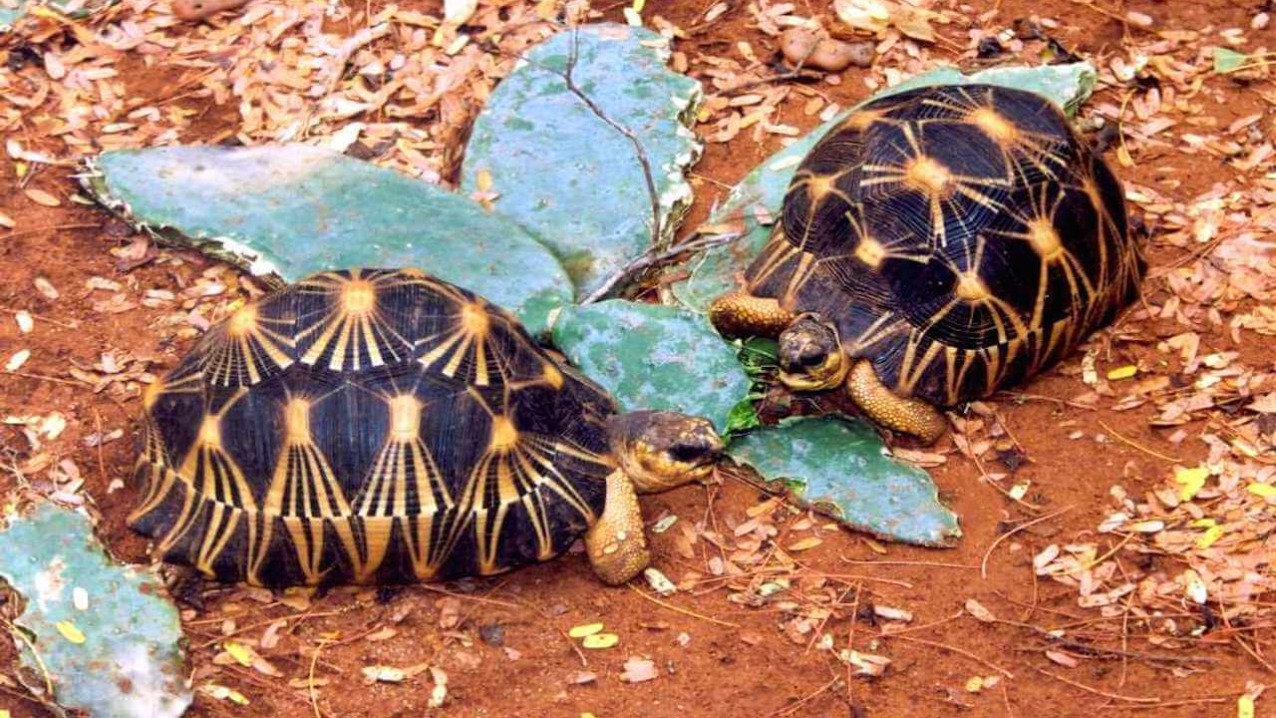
[714, 272]
[653, 357]
[840, 468]
[1227, 60]
[585, 144]
[115, 655]
[287, 211]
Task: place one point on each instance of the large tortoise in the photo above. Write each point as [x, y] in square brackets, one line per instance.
[386, 426]
[937, 245]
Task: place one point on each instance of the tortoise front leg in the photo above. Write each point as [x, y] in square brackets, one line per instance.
[911, 416]
[739, 314]
[616, 543]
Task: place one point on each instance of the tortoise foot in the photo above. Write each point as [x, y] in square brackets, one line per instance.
[743, 315]
[616, 543]
[911, 416]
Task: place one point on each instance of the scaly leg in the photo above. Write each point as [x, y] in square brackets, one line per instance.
[616, 543]
[743, 315]
[911, 416]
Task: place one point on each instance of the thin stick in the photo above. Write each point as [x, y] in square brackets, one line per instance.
[983, 565]
[41, 377]
[41, 317]
[683, 611]
[1140, 447]
[1097, 692]
[653, 257]
[789, 709]
[850, 644]
[1014, 395]
[1240, 642]
[928, 564]
[954, 649]
[310, 677]
[54, 228]
[924, 626]
[584, 662]
[465, 597]
[44, 671]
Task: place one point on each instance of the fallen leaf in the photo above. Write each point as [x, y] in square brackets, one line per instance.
[39, 196]
[585, 629]
[1123, 372]
[71, 632]
[809, 542]
[978, 610]
[600, 640]
[17, 360]
[458, 12]
[639, 670]
[1190, 481]
[1062, 659]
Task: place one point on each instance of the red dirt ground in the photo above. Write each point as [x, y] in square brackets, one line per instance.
[715, 657]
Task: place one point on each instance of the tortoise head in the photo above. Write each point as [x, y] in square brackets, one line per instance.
[810, 355]
[659, 450]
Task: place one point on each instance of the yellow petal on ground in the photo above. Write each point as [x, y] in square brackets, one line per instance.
[585, 629]
[1266, 491]
[1190, 481]
[1122, 372]
[1245, 706]
[1207, 539]
[70, 632]
[242, 654]
[601, 640]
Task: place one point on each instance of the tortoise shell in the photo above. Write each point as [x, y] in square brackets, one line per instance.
[369, 426]
[961, 238]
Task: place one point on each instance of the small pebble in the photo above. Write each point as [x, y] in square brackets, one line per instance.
[1260, 21]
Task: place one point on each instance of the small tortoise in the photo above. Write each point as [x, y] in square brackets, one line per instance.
[937, 245]
[379, 426]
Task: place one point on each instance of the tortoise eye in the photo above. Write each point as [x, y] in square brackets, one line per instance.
[812, 356]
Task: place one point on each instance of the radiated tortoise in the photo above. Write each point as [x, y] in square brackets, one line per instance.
[938, 245]
[387, 426]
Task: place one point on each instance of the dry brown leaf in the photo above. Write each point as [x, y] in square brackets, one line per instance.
[39, 196]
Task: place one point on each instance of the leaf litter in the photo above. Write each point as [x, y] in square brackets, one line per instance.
[1198, 536]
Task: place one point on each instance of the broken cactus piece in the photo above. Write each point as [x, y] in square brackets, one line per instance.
[839, 467]
[94, 635]
[287, 211]
[754, 204]
[653, 357]
[585, 144]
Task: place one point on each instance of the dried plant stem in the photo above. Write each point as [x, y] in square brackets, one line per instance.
[954, 649]
[983, 565]
[1136, 445]
[683, 611]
